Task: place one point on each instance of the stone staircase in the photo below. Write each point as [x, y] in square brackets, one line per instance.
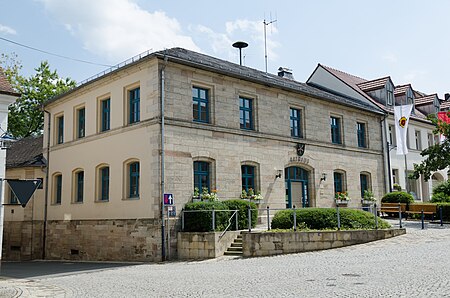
[236, 247]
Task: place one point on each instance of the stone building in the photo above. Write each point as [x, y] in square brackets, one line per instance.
[226, 127]
[23, 226]
[383, 93]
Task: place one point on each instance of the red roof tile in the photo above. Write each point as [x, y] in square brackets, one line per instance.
[373, 85]
[425, 99]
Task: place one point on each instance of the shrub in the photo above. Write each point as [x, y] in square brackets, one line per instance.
[242, 206]
[326, 218]
[440, 197]
[397, 197]
[202, 221]
[445, 211]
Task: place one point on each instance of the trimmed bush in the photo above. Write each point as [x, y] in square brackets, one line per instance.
[202, 221]
[397, 197]
[242, 206]
[441, 193]
[445, 211]
[326, 218]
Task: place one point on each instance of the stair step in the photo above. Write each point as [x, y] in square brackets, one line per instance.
[234, 249]
[239, 236]
[236, 244]
[237, 240]
[233, 253]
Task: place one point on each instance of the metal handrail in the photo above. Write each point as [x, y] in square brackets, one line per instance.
[229, 223]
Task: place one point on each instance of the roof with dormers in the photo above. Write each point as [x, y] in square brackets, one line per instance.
[401, 89]
[445, 105]
[424, 100]
[5, 86]
[219, 66]
[374, 84]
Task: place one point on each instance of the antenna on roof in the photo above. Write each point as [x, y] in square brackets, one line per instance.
[265, 37]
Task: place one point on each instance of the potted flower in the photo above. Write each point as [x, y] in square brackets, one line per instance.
[196, 195]
[341, 198]
[208, 196]
[368, 198]
[251, 195]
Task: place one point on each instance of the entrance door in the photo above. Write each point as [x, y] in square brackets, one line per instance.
[297, 194]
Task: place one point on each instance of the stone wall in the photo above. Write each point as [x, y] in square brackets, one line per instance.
[22, 240]
[105, 240]
[256, 244]
[207, 245]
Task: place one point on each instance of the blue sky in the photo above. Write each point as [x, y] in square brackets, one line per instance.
[408, 40]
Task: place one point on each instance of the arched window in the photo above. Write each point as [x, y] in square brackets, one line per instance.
[57, 188]
[339, 181]
[365, 182]
[78, 186]
[133, 180]
[202, 175]
[102, 183]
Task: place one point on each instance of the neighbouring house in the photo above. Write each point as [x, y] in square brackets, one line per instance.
[7, 96]
[383, 93]
[23, 226]
[174, 120]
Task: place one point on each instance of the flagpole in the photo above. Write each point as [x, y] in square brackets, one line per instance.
[406, 175]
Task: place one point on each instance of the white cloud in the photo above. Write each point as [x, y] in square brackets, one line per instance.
[249, 31]
[118, 29]
[7, 30]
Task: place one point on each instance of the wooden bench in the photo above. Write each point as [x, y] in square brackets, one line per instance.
[392, 208]
[428, 209]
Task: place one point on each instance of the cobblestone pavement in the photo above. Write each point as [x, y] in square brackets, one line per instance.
[412, 265]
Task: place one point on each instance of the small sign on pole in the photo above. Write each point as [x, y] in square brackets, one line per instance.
[168, 199]
[172, 211]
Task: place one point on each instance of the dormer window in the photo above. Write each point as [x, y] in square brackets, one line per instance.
[389, 94]
[436, 104]
[409, 96]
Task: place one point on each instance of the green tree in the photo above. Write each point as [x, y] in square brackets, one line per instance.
[437, 157]
[26, 116]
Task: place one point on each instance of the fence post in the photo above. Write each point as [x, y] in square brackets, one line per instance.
[237, 220]
[213, 220]
[249, 219]
[268, 219]
[440, 216]
[376, 215]
[400, 216]
[295, 220]
[338, 217]
[182, 220]
[423, 218]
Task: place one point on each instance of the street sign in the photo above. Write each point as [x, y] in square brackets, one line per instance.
[23, 189]
[168, 199]
[172, 211]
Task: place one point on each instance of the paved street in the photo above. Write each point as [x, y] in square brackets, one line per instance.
[412, 265]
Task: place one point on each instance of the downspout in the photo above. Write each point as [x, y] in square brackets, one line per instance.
[386, 154]
[163, 236]
[44, 234]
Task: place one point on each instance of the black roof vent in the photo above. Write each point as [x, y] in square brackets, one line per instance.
[285, 73]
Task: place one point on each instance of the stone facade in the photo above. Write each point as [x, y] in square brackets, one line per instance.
[201, 246]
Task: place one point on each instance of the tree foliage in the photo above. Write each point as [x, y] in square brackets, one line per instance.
[26, 116]
[437, 157]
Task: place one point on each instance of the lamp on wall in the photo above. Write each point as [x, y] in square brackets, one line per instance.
[324, 177]
[278, 174]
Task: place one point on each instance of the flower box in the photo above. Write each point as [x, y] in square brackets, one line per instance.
[341, 202]
[367, 202]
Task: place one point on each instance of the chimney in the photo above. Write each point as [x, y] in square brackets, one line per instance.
[285, 73]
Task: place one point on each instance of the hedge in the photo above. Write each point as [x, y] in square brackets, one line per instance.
[202, 221]
[326, 218]
[445, 211]
[397, 197]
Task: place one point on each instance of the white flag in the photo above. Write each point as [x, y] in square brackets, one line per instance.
[402, 114]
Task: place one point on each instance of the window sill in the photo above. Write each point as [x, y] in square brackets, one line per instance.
[77, 203]
[131, 199]
[101, 201]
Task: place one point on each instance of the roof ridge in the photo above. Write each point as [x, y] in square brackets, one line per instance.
[343, 72]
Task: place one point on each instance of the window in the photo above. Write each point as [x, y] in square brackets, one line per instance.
[248, 177]
[81, 122]
[364, 180]
[60, 130]
[105, 118]
[392, 137]
[201, 175]
[104, 184]
[361, 133]
[430, 139]
[409, 96]
[79, 186]
[246, 113]
[338, 182]
[133, 190]
[200, 102]
[418, 140]
[395, 176]
[295, 122]
[13, 198]
[335, 130]
[389, 94]
[57, 188]
[134, 108]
